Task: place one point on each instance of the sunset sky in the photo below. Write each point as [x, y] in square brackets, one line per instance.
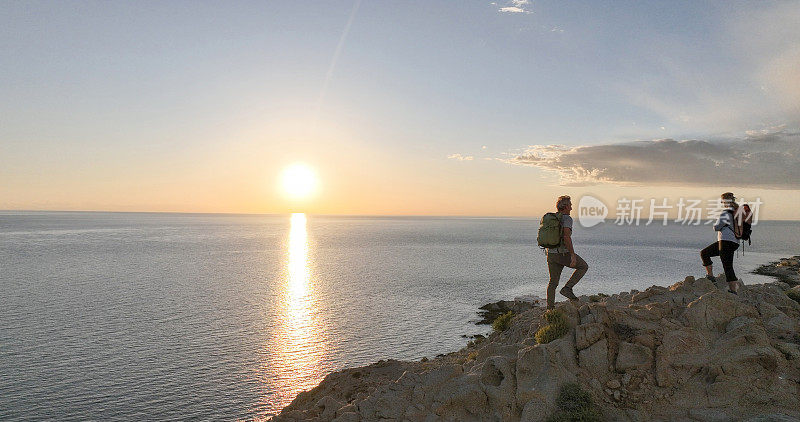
[415, 107]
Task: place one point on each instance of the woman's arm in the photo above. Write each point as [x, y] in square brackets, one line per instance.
[723, 220]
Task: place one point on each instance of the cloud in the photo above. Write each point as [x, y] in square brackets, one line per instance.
[768, 158]
[516, 6]
[460, 157]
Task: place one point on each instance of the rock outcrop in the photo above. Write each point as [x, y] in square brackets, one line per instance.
[786, 270]
[691, 351]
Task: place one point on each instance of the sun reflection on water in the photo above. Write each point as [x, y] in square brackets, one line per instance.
[298, 260]
[300, 337]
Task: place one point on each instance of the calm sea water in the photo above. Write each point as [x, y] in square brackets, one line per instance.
[170, 316]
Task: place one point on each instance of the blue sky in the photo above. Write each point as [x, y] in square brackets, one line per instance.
[137, 93]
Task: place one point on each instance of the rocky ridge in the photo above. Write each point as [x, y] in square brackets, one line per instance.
[786, 270]
[690, 351]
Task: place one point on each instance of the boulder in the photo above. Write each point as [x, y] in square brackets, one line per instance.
[328, 407]
[537, 409]
[588, 334]
[500, 384]
[712, 311]
[460, 401]
[541, 370]
[595, 358]
[633, 356]
[781, 325]
[682, 353]
[790, 351]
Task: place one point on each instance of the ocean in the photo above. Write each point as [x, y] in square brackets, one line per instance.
[124, 316]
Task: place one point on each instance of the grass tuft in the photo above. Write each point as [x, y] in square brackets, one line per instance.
[555, 316]
[557, 327]
[550, 332]
[502, 322]
[575, 404]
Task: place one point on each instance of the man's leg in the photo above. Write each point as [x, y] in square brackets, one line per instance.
[555, 274]
[580, 269]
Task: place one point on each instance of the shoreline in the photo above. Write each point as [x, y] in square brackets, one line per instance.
[786, 270]
[473, 376]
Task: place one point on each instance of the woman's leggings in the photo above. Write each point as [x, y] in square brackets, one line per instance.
[724, 250]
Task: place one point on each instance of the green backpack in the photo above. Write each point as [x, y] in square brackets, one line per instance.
[550, 230]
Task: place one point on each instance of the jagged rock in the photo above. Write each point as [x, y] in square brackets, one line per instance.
[781, 325]
[595, 358]
[458, 401]
[536, 410]
[349, 408]
[328, 406]
[633, 356]
[543, 368]
[710, 415]
[500, 385]
[712, 311]
[347, 417]
[587, 334]
[680, 356]
[789, 350]
[491, 311]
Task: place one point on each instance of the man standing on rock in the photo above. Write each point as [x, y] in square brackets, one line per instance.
[564, 256]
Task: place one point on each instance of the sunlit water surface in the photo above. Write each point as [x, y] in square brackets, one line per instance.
[133, 316]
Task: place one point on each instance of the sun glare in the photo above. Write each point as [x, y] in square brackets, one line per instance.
[299, 181]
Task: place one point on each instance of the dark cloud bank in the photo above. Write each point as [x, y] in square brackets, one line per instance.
[767, 159]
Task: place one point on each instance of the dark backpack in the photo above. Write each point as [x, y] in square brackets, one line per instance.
[550, 230]
[741, 229]
[747, 230]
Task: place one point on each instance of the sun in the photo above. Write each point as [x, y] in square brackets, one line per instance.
[299, 181]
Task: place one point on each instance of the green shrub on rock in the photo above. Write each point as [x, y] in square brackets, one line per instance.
[550, 332]
[502, 322]
[555, 316]
[574, 404]
[556, 329]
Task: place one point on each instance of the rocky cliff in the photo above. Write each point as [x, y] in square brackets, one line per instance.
[690, 351]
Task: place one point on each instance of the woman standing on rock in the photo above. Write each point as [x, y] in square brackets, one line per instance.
[725, 245]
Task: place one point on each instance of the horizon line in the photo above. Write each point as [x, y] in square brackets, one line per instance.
[7, 211]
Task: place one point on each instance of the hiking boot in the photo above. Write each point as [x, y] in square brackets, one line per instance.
[731, 291]
[567, 292]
